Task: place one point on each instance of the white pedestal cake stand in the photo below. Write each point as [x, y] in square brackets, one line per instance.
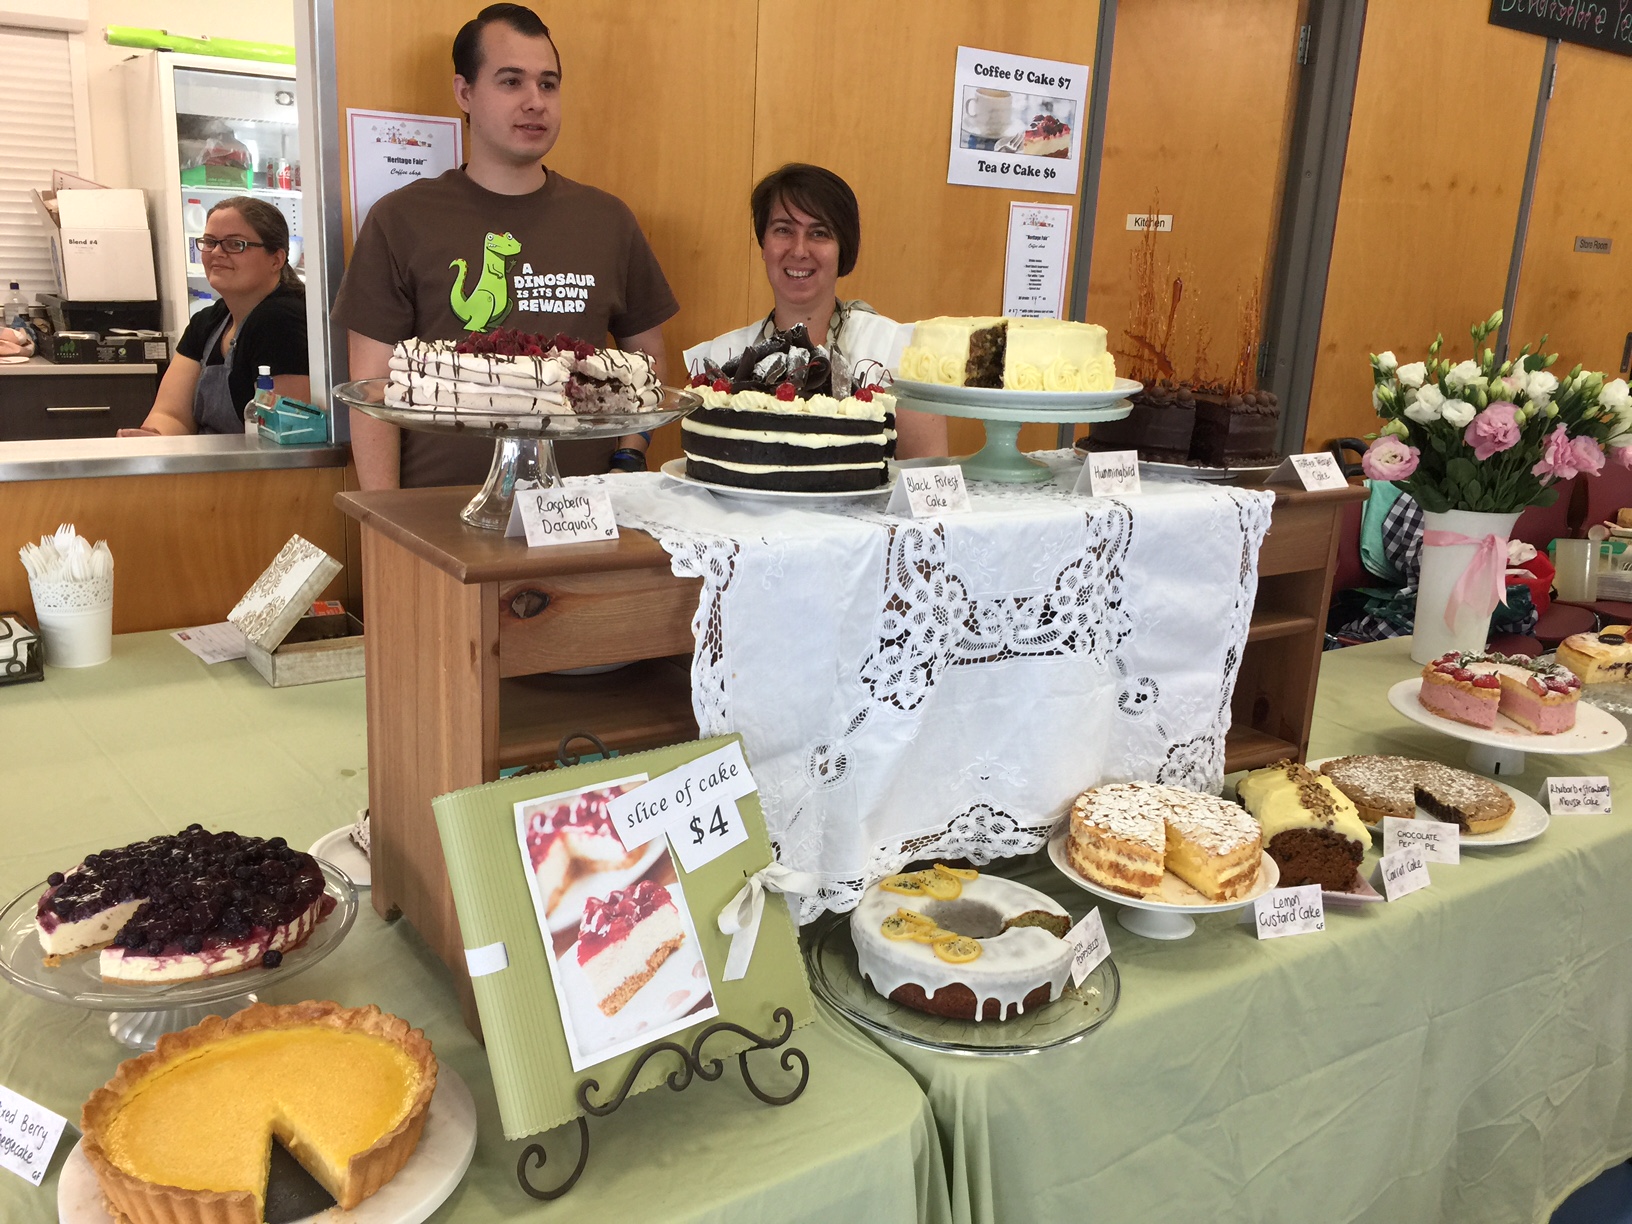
[140, 1015]
[1500, 750]
[523, 446]
[1004, 412]
[1156, 918]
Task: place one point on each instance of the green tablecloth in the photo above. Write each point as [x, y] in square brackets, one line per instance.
[154, 739]
[1460, 1055]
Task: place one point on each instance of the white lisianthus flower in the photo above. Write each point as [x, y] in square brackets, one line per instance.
[1396, 429]
[1616, 397]
[1411, 375]
[1462, 374]
[1539, 386]
[1620, 439]
[1377, 400]
[1386, 362]
[1424, 411]
[1458, 413]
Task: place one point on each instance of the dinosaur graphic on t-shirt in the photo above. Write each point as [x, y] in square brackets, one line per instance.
[489, 299]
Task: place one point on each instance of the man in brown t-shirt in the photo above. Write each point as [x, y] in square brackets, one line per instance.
[501, 241]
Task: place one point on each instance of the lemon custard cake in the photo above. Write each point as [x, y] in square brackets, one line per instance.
[952, 941]
[1311, 829]
[1125, 836]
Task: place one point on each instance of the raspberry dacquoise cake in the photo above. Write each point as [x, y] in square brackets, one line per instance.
[176, 908]
[570, 841]
[1474, 688]
[625, 939]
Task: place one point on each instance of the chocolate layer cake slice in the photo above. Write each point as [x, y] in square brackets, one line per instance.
[1159, 427]
[1235, 430]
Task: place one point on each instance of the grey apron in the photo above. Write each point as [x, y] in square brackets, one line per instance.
[213, 409]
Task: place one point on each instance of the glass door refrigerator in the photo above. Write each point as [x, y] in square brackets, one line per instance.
[202, 130]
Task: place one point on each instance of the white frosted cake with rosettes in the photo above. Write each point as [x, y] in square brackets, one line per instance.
[508, 373]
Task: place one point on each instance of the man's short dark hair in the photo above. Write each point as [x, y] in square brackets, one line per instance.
[818, 192]
[467, 44]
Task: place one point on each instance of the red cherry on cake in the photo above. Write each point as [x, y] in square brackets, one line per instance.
[865, 395]
[786, 393]
[1489, 680]
[699, 380]
[721, 384]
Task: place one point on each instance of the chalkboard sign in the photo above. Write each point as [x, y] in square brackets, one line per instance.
[1592, 23]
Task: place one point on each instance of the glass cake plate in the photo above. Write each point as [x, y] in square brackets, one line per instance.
[142, 1013]
[1500, 749]
[675, 469]
[830, 957]
[524, 444]
[1168, 915]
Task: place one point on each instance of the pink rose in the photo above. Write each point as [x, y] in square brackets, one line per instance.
[1389, 458]
[1589, 456]
[1494, 430]
[1621, 455]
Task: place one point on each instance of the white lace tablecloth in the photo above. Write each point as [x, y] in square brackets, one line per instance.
[944, 688]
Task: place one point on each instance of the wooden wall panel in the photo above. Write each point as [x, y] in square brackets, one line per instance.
[185, 548]
[1583, 183]
[1436, 156]
[927, 248]
[1196, 126]
[657, 108]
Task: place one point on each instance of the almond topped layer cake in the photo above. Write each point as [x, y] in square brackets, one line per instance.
[1125, 836]
[183, 1135]
[1474, 688]
[1311, 829]
[1397, 786]
[192, 905]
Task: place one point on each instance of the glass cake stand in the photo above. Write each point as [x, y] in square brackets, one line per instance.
[140, 1015]
[1003, 412]
[523, 445]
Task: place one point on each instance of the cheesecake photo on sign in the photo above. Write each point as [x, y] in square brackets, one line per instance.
[625, 961]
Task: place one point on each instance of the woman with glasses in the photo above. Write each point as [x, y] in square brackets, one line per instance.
[259, 320]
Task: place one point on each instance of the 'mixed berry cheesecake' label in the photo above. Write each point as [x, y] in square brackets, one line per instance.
[28, 1136]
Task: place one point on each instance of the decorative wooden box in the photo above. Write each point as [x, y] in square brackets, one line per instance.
[283, 640]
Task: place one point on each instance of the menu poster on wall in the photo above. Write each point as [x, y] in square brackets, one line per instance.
[388, 150]
[1034, 269]
[1017, 122]
[1605, 26]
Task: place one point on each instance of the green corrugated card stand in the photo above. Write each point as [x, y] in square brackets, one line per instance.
[521, 1024]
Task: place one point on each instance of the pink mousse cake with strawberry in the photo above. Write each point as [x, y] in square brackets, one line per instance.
[1475, 688]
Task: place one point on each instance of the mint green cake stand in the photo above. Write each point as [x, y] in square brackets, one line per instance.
[1004, 412]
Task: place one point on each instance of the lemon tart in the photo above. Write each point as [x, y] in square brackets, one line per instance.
[184, 1134]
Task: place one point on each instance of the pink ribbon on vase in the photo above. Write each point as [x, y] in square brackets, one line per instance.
[1484, 582]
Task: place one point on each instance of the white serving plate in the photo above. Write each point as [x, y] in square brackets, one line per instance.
[1528, 822]
[337, 847]
[675, 469]
[1169, 913]
[1595, 730]
[424, 1184]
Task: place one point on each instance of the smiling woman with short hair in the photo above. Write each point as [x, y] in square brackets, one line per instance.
[808, 225]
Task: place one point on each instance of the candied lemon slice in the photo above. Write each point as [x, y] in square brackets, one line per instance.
[897, 927]
[942, 887]
[914, 917]
[957, 949]
[928, 934]
[958, 873]
[909, 884]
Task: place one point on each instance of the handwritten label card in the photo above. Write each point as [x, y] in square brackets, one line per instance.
[1402, 873]
[1089, 945]
[1438, 841]
[695, 805]
[564, 514]
[1289, 911]
[1578, 796]
[1109, 474]
[929, 492]
[28, 1136]
[1315, 472]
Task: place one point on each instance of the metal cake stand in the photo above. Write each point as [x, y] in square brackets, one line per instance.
[140, 1015]
[1003, 412]
[523, 445]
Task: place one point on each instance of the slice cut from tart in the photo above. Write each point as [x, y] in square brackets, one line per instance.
[185, 1133]
[190, 905]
